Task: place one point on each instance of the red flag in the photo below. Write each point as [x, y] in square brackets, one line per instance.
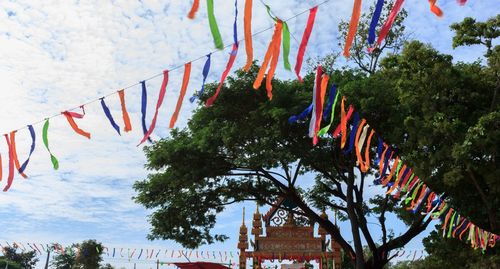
[232, 57]
[161, 96]
[304, 41]
[10, 179]
[194, 9]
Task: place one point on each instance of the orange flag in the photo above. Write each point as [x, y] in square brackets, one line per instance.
[194, 9]
[272, 55]
[353, 26]
[14, 153]
[247, 25]
[185, 81]
[126, 118]
[69, 116]
[435, 9]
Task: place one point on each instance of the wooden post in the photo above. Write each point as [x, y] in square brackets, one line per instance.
[158, 264]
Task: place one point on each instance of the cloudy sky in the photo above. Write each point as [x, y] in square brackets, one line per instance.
[57, 55]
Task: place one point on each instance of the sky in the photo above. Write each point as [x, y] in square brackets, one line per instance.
[58, 55]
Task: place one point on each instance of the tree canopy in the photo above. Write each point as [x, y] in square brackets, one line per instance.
[437, 114]
[15, 257]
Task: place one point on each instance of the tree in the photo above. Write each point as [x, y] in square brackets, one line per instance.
[66, 259]
[430, 110]
[469, 32]
[89, 256]
[4, 263]
[25, 259]
[472, 181]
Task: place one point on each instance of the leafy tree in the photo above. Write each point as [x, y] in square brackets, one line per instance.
[65, 260]
[472, 178]
[469, 32]
[428, 108]
[4, 263]
[89, 256]
[26, 259]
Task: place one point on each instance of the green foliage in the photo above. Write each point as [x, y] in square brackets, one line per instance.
[11, 264]
[469, 32]
[66, 260]
[438, 115]
[89, 256]
[25, 259]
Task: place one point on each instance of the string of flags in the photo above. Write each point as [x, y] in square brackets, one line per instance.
[401, 182]
[281, 37]
[399, 179]
[127, 253]
[157, 254]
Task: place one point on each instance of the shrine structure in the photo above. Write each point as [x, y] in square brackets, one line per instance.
[288, 236]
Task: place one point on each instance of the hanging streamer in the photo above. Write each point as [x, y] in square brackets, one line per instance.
[333, 92]
[353, 26]
[247, 27]
[304, 41]
[387, 25]
[194, 9]
[10, 178]
[33, 140]
[161, 96]
[320, 81]
[232, 57]
[14, 153]
[337, 131]
[109, 116]
[235, 26]
[144, 104]
[270, 56]
[435, 9]
[70, 118]
[353, 133]
[45, 139]
[286, 46]
[374, 22]
[206, 69]
[301, 116]
[213, 25]
[126, 118]
[328, 107]
[185, 82]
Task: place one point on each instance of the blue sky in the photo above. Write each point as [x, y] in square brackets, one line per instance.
[58, 55]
